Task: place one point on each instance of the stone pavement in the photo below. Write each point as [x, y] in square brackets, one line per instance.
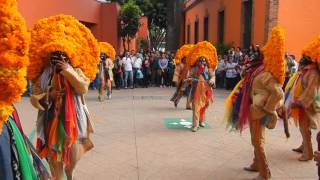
[132, 142]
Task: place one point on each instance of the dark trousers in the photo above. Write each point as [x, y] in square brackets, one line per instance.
[231, 83]
[5, 155]
[220, 79]
[146, 77]
[119, 80]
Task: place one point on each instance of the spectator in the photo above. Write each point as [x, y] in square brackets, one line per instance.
[163, 65]
[170, 71]
[220, 72]
[237, 55]
[146, 72]
[127, 62]
[231, 74]
[118, 69]
[137, 64]
[251, 50]
[155, 67]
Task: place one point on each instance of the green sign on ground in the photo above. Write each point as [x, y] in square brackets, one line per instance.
[180, 123]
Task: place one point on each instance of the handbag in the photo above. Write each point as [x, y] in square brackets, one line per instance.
[139, 74]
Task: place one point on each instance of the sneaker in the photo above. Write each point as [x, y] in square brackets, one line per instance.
[202, 124]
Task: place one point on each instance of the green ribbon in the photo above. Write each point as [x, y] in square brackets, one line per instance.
[25, 164]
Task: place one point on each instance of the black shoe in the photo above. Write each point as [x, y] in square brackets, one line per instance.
[298, 150]
[250, 169]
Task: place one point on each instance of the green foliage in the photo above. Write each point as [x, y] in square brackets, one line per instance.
[155, 10]
[142, 43]
[130, 15]
[223, 48]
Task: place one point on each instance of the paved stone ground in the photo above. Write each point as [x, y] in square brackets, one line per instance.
[131, 142]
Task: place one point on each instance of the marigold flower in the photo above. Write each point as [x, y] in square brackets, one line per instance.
[14, 48]
[274, 54]
[108, 50]
[63, 33]
[203, 49]
[182, 53]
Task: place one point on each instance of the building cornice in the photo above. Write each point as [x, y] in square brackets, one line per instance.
[189, 4]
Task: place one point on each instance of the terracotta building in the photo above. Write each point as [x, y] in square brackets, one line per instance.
[245, 22]
[101, 18]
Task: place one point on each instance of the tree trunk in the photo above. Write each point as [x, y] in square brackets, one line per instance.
[128, 42]
[124, 44]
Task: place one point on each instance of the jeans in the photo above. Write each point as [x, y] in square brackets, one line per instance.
[128, 74]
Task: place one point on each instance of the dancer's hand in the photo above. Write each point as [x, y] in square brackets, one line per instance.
[61, 65]
[188, 80]
[54, 94]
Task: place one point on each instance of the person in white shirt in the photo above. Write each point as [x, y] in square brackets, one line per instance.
[137, 64]
[127, 62]
[231, 74]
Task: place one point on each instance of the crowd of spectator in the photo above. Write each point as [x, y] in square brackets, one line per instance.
[232, 64]
[156, 69]
[142, 69]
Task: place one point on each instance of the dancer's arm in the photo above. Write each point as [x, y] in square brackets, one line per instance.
[77, 79]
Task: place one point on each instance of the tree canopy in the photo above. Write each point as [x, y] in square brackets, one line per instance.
[156, 12]
[130, 15]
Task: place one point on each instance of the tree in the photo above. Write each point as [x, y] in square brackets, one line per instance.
[157, 23]
[156, 11]
[130, 15]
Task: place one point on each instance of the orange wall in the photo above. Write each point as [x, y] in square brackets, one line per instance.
[143, 31]
[84, 10]
[102, 17]
[300, 19]
[200, 11]
[259, 15]
[232, 10]
[232, 15]
[109, 24]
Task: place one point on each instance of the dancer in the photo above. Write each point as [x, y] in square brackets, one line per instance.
[107, 56]
[180, 74]
[64, 58]
[302, 97]
[18, 159]
[202, 61]
[256, 98]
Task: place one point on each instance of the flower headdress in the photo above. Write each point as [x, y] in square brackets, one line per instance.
[203, 49]
[108, 50]
[183, 52]
[274, 54]
[66, 34]
[14, 47]
[312, 50]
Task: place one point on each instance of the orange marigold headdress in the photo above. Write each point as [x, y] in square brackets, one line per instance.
[14, 47]
[183, 52]
[63, 33]
[312, 50]
[108, 50]
[203, 49]
[274, 54]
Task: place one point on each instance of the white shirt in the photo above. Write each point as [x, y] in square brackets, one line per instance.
[137, 63]
[231, 71]
[127, 62]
